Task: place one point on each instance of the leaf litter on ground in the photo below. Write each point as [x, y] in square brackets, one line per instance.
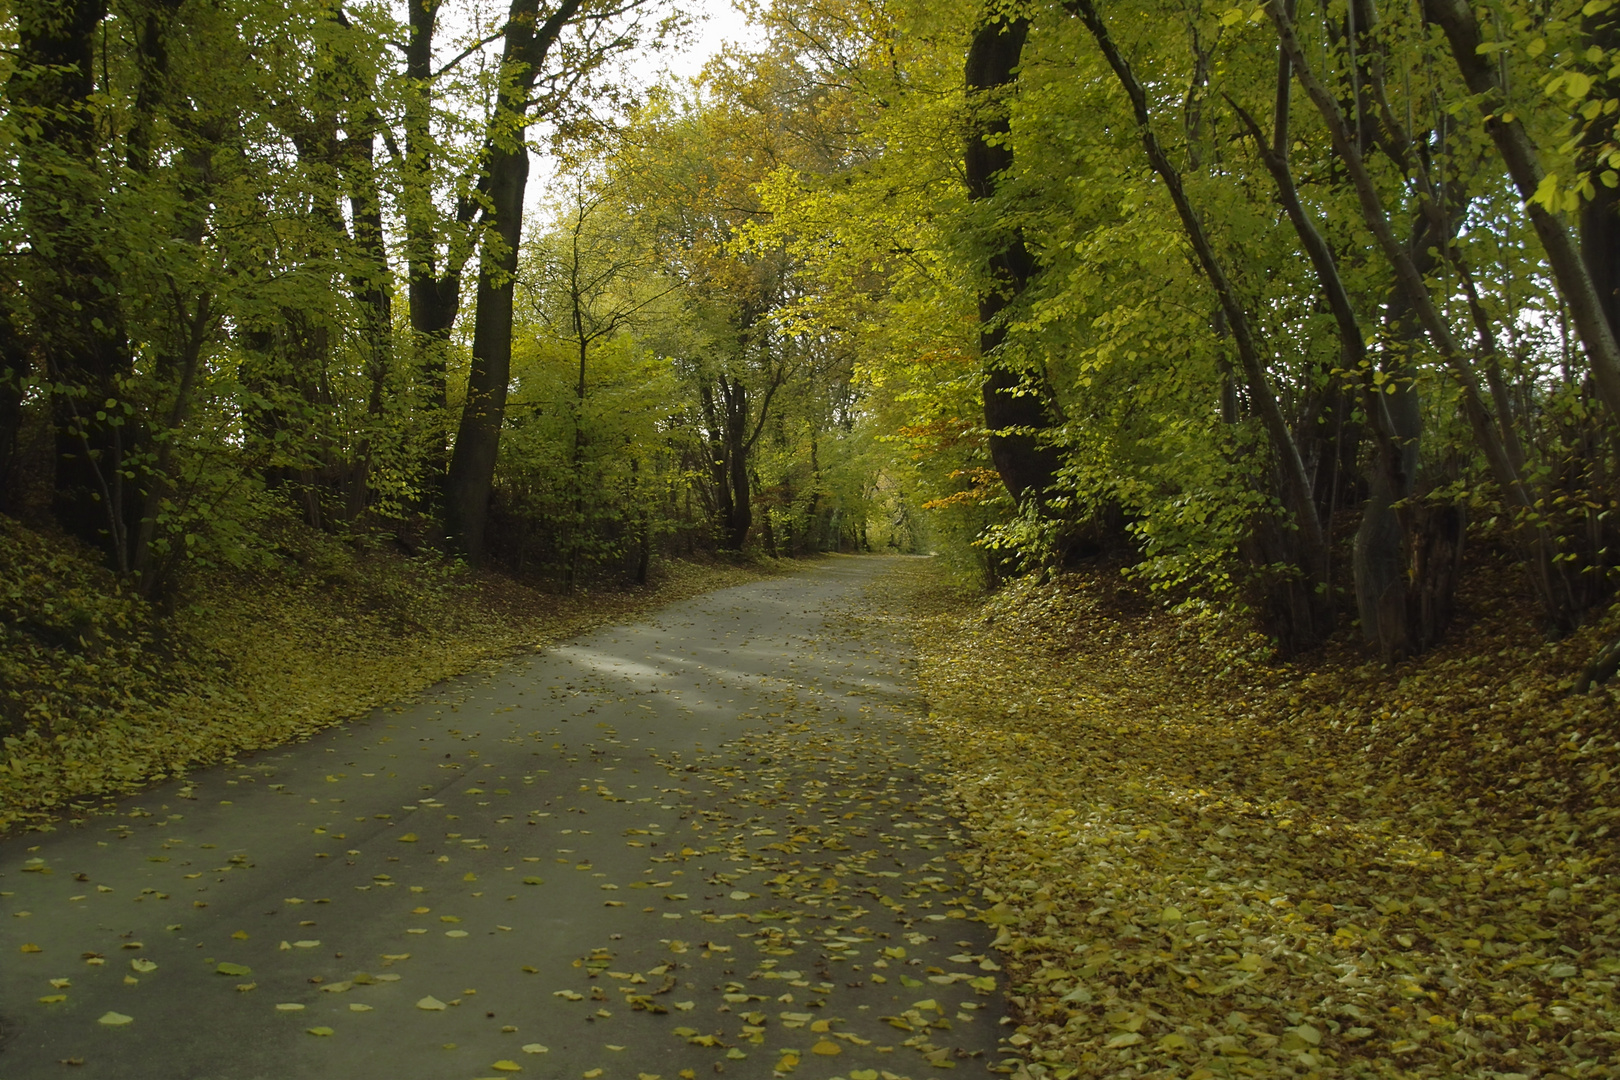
[1203, 864]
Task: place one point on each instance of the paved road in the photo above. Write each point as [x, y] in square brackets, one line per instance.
[694, 845]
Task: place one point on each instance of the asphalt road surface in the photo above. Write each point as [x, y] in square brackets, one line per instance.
[701, 844]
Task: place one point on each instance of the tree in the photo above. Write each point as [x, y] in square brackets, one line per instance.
[536, 78]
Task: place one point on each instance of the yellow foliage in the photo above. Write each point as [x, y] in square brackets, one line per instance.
[1205, 865]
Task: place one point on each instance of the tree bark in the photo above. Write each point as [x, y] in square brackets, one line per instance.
[70, 284]
[1018, 403]
[1600, 215]
[371, 285]
[734, 410]
[1382, 556]
[433, 287]
[472, 464]
[15, 366]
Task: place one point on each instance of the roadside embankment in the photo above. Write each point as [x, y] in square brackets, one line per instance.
[1203, 864]
[99, 695]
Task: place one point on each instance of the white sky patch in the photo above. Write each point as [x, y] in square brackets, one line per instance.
[716, 24]
[721, 24]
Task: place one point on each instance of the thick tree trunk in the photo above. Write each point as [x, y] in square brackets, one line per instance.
[14, 370]
[1018, 404]
[373, 293]
[372, 285]
[1600, 215]
[433, 287]
[1380, 559]
[716, 447]
[734, 406]
[69, 282]
[528, 42]
[472, 466]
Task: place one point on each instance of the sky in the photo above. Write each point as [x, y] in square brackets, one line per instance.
[722, 23]
[717, 23]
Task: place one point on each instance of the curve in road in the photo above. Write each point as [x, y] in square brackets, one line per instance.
[701, 844]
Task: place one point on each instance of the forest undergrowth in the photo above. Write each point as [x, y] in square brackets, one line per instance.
[100, 696]
[1205, 865]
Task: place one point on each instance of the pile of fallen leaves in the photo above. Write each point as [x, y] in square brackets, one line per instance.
[100, 696]
[1206, 865]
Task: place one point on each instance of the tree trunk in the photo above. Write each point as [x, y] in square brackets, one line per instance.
[472, 466]
[1519, 153]
[433, 289]
[734, 407]
[372, 288]
[70, 284]
[1600, 215]
[14, 369]
[506, 169]
[1380, 557]
[1534, 539]
[1018, 403]
[1306, 547]
[716, 448]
